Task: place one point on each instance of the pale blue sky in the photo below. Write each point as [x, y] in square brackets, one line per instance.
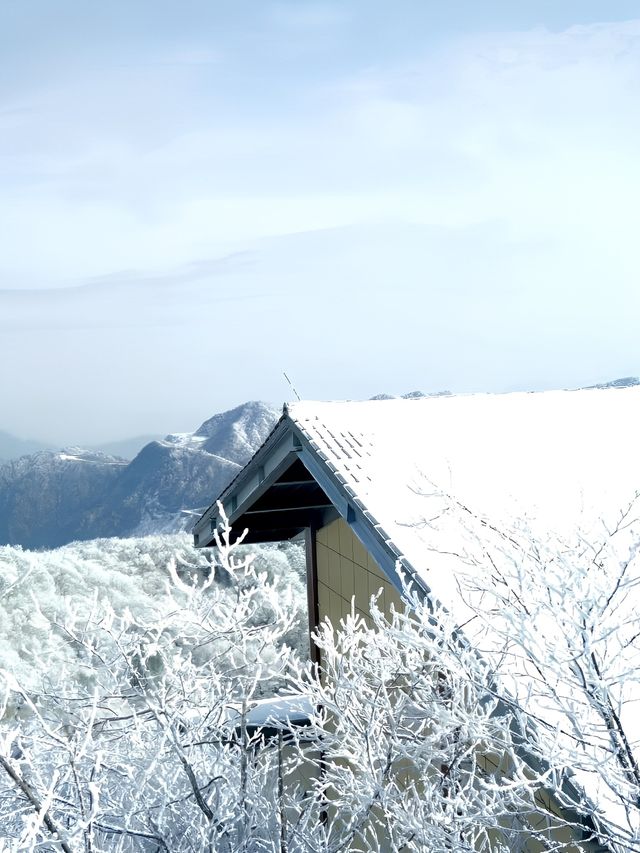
[196, 196]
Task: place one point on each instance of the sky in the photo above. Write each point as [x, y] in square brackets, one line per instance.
[196, 197]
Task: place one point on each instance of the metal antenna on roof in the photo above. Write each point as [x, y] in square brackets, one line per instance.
[291, 384]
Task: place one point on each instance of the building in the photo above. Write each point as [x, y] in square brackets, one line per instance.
[378, 488]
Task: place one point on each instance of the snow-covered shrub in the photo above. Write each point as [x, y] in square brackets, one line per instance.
[132, 740]
[419, 752]
[139, 740]
[560, 615]
[38, 591]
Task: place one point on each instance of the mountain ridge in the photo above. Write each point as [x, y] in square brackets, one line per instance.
[50, 498]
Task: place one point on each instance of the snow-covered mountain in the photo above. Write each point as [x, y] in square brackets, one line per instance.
[50, 498]
[42, 496]
[624, 382]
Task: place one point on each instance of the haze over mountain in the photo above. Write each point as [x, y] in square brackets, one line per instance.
[126, 448]
[11, 447]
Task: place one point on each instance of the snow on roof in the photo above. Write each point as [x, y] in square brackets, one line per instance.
[279, 711]
[558, 463]
[560, 459]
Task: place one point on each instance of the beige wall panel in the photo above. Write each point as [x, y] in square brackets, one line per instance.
[334, 571]
[322, 559]
[374, 567]
[336, 609]
[361, 577]
[347, 578]
[333, 535]
[375, 585]
[392, 596]
[345, 538]
[360, 555]
[346, 568]
[324, 600]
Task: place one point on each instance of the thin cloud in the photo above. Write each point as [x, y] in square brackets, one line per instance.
[465, 211]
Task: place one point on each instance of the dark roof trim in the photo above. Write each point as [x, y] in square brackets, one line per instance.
[286, 442]
[363, 524]
[273, 457]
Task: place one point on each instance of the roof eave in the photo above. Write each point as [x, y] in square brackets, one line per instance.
[285, 443]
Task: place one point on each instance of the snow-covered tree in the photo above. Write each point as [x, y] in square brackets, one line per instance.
[419, 750]
[142, 743]
[422, 733]
[558, 616]
[570, 611]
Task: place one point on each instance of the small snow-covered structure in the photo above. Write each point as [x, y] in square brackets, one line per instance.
[378, 489]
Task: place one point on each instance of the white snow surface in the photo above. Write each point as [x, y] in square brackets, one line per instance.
[184, 439]
[559, 459]
[89, 457]
[278, 711]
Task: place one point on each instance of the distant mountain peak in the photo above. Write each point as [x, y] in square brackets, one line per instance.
[624, 382]
[413, 395]
[250, 409]
[237, 433]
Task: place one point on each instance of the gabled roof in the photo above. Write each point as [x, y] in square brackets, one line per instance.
[391, 467]
[560, 459]
[274, 496]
